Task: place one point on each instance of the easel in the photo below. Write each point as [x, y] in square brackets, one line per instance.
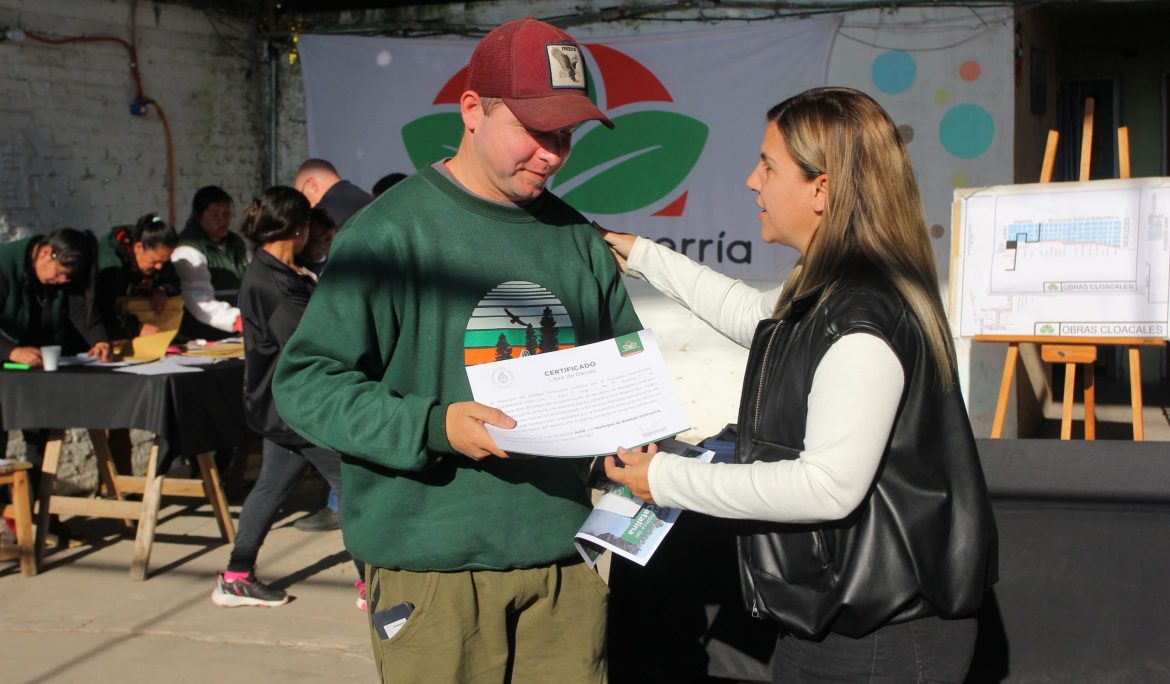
[1074, 351]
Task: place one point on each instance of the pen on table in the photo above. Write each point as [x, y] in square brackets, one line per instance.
[9, 365]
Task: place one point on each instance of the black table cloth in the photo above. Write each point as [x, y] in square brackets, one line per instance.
[189, 412]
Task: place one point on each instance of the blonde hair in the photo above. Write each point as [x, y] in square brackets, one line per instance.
[874, 210]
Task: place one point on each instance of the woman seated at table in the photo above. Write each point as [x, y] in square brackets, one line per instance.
[273, 297]
[135, 261]
[45, 295]
[210, 261]
[46, 299]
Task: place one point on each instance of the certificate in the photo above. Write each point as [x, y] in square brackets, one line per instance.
[584, 401]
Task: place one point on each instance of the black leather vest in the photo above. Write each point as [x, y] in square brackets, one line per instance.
[923, 540]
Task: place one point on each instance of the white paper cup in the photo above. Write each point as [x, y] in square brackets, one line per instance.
[50, 356]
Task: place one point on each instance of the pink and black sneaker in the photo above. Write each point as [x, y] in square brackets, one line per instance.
[361, 599]
[248, 591]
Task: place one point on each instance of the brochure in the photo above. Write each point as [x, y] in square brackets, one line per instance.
[623, 523]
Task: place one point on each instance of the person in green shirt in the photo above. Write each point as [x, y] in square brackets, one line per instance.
[135, 261]
[46, 297]
[473, 574]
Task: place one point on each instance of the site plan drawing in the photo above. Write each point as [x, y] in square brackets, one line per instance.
[1089, 259]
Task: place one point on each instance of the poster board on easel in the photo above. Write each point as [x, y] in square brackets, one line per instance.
[1071, 264]
[1084, 259]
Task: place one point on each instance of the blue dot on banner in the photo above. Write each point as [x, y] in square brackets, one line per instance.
[966, 131]
[893, 72]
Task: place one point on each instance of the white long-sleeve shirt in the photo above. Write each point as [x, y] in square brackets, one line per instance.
[198, 294]
[851, 409]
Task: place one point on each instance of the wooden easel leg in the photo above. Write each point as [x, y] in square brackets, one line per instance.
[1090, 402]
[25, 540]
[1005, 388]
[52, 459]
[151, 497]
[1066, 414]
[213, 488]
[1135, 393]
[107, 469]
[1049, 157]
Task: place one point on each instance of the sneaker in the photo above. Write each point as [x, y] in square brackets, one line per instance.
[324, 520]
[246, 592]
[361, 599]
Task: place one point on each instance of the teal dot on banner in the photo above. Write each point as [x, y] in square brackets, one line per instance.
[893, 72]
[966, 131]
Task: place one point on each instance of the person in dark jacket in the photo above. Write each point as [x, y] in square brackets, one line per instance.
[313, 257]
[322, 230]
[318, 180]
[46, 297]
[338, 200]
[867, 530]
[273, 297]
[135, 261]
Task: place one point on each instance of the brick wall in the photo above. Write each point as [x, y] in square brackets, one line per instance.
[65, 121]
[72, 155]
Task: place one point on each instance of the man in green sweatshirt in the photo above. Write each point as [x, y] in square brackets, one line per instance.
[472, 572]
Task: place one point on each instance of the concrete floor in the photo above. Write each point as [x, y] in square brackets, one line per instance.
[83, 620]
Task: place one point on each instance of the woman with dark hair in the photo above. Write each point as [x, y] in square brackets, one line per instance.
[210, 261]
[867, 532]
[273, 297]
[135, 261]
[46, 296]
[322, 230]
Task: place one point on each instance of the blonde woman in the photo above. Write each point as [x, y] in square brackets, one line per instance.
[867, 534]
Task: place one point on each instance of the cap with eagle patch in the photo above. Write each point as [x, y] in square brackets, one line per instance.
[538, 71]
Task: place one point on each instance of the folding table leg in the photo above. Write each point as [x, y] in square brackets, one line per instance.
[49, 464]
[24, 529]
[214, 490]
[107, 469]
[151, 497]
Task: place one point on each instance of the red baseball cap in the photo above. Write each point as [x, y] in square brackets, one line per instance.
[537, 70]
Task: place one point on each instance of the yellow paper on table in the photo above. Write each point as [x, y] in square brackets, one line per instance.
[151, 347]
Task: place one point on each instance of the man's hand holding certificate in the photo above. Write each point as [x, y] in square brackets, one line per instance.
[584, 401]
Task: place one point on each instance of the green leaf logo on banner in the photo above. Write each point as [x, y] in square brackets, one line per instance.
[647, 156]
[643, 158]
[432, 138]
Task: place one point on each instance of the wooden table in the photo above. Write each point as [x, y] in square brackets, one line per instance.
[189, 413]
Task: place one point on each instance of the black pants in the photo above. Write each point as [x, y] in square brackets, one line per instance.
[924, 650]
[282, 467]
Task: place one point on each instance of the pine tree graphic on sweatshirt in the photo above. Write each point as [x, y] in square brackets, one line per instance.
[515, 319]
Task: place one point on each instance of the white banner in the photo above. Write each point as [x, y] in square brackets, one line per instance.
[689, 109]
